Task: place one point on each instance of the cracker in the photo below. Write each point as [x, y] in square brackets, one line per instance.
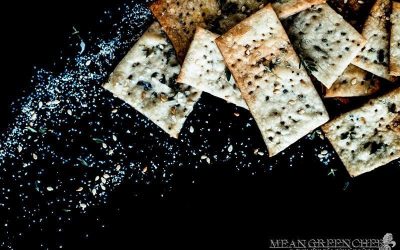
[179, 19]
[204, 68]
[374, 57]
[325, 42]
[145, 79]
[279, 93]
[395, 41]
[353, 82]
[368, 137]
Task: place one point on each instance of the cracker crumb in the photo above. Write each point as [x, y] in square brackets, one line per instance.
[55, 102]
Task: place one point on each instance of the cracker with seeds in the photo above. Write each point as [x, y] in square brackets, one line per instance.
[179, 18]
[145, 79]
[395, 41]
[353, 82]
[326, 43]
[204, 68]
[374, 57]
[279, 93]
[368, 137]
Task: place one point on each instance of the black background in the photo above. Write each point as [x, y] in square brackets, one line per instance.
[224, 208]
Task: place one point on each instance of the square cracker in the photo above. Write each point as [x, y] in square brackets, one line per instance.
[325, 42]
[374, 57]
[279, 93]
[368, 137]
[145, 79]
[395, 41]
[179, 18]
[204, 68]
[353, 82]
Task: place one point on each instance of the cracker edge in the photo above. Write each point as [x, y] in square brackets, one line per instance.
[287, 12]
[394, 70]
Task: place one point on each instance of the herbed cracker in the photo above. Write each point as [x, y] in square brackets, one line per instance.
[279, 93]
[353, 82]
[368, 137]
[395, 41]
[326, 43]
[204, 68]
[374, 57]
[145, 79]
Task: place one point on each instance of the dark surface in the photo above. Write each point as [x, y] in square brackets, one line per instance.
[224, 208]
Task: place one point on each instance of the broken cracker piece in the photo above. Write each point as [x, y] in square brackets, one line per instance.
[353, 82]
[395, 41]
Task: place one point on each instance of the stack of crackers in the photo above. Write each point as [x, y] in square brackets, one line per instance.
[267, 57]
